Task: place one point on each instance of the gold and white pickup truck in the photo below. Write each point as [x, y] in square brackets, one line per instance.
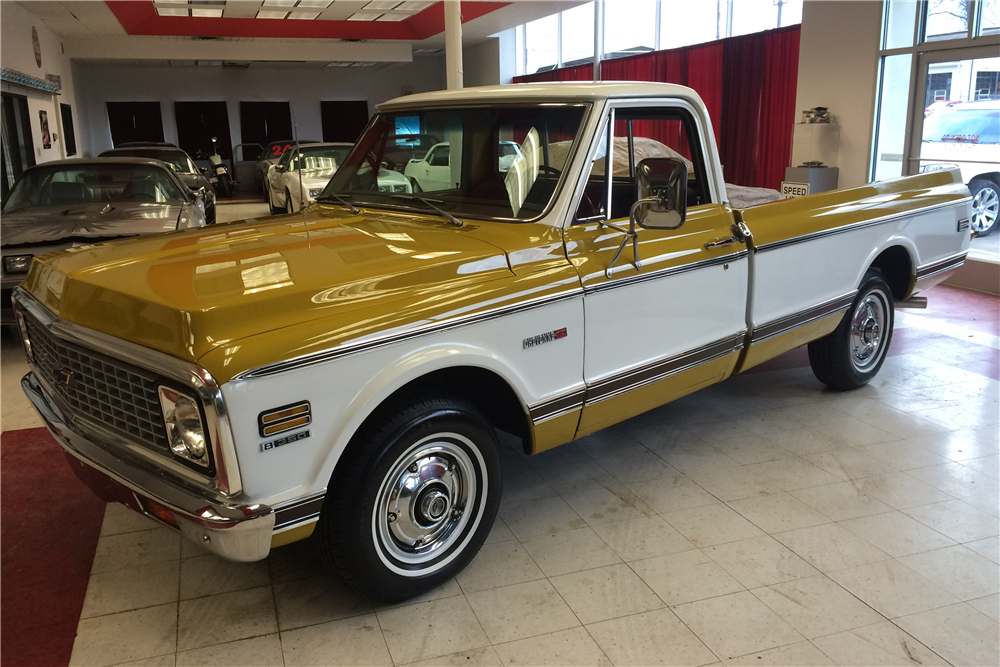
[342, 372]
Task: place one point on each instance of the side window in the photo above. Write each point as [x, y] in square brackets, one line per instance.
[439, 158]
[593, 203]
[656, 132]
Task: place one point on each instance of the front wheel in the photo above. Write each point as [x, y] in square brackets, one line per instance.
[985, 205]
[226, 185]
[413, 498]
[289, 204]
[852, 355]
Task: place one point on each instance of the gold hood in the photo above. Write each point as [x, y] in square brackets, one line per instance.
[189, 292]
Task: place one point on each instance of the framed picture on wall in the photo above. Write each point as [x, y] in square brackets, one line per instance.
[43, 116]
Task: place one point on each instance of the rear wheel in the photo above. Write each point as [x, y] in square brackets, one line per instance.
[413, 498]
[852, 355]
[985, 205]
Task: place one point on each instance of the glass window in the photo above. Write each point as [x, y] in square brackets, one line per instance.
[492, 162]
[754, 16]
[177, 160]
[683, 22]
[593, 203]
[629, 27]
[93, 184]
[946, 19]
[890, 121]
[791, 13]
[542, 39]
[900, 23]
[319, 158]
[989, 17]
[519, 50]
[578, 34]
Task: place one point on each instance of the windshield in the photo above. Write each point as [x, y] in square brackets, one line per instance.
[178, 160]
[319, 158]
[92, 184]
[963, 125]
[486, 162]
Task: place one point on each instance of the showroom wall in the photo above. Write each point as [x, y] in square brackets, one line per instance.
[838, 65]
[18, 54]
[303, 87]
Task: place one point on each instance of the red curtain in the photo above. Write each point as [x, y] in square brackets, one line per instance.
[747, 83]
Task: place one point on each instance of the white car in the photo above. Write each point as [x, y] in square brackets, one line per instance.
[968, 136]
[433, 171]
[287, 193]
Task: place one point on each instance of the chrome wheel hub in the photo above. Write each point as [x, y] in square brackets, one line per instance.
[423, 501]
[985, 208]
[867, 332]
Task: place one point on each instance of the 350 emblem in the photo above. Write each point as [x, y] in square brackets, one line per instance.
[288, 439]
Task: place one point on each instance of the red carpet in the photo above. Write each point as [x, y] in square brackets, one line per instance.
[48, 530]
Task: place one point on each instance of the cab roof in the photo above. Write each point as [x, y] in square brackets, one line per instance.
[567, 92]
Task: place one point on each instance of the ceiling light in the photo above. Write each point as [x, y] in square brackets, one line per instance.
[338, 64]
[415, 5]
[206, 12]
[364, 16]
[317, 4]
[395, 16]
[382, 4]
[167, 11]
[265, 14]
[303, 15]
[279, 3]
[171, 2]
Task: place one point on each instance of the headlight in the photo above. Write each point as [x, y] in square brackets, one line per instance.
[17, 263]
[937, 166]
[315, 192]
[185, 430]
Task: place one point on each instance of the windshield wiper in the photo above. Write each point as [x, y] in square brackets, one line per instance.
[340, 200]
[430, 203]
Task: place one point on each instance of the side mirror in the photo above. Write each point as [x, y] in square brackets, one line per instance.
[662, 193]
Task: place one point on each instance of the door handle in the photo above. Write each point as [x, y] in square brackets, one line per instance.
[718, 244]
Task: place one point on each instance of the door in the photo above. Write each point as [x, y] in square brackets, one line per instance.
[956, 121]
[343, 120]
[676, 323]
[69, 132]
[264, 123]
[18, 147]
[135, 121]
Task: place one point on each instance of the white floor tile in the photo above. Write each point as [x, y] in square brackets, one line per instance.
[892, 589]
[607, 592]
[960, 634]
[521, 611]
[685, 577]
[254, 652]
[568, 648]
[651, 638]
[429, 629]
[131, 635]
[344, 643]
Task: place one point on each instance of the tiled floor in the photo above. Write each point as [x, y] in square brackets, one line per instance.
[763, 521]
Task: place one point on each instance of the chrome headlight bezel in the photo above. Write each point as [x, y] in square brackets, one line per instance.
[22, 260]
[315, 192]
[184, 421]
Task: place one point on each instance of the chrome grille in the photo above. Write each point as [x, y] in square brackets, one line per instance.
[113, 393]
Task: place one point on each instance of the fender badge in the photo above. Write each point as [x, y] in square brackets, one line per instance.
[546, 337]
[963, 224]
[288, 439]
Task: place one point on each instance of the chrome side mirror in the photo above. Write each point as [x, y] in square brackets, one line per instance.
[661, 185]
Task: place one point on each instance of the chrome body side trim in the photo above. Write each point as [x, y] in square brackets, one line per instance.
[940, 266]
[774, 245]
[227, 477]
[416, 332]
[664, 273]
[239, 532]
[555, 407]
[803, 317]
[298, 511]
[620, 383]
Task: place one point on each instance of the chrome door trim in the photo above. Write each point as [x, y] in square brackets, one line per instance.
[664, 273]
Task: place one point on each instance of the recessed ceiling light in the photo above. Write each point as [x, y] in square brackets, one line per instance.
[206, 12]
[395, 16]
[171, 2]
[415, 5]
[279, 3]
[364, 16]
[265, 14]
[382, 4]
[303, 15]
[338, 64]
[168, 11]
[314, 4]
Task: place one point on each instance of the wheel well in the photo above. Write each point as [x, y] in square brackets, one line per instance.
[896, 268]
[489, 392]
[992, 176]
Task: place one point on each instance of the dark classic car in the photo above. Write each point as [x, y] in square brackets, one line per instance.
[76, 203]
[180, 162]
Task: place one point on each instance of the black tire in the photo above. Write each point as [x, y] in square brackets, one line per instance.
[852, 355]
[458, 455]
[985, 205]
[270, 204]
[210, 215]
[226, 185]
[414, 186]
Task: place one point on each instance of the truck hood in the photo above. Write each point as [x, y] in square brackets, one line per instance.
[46, 224]
[189, 292]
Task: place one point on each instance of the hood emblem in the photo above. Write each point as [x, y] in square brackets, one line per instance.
[63, 377]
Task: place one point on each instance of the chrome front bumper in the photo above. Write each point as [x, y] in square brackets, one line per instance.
[232, 531]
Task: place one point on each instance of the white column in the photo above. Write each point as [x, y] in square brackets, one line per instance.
[598, 37]
[453, 43]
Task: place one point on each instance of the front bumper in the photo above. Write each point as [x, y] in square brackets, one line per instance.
[232, 531]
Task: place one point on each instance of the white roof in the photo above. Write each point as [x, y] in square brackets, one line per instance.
[535, 92]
